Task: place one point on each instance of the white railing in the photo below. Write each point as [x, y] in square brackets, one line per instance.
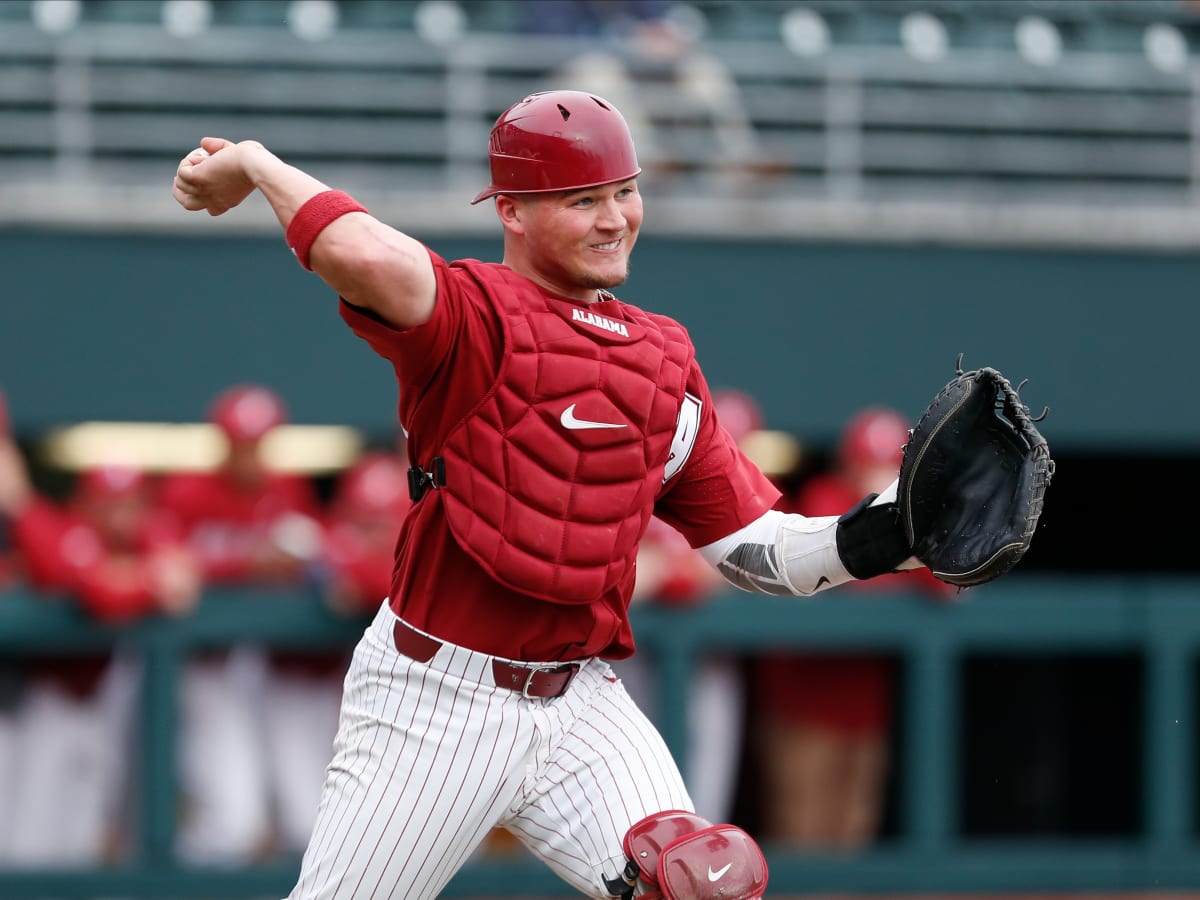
[865, 143]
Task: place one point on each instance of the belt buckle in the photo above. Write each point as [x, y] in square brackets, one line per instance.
[529, 679]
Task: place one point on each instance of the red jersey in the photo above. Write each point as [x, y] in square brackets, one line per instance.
[64, 553]
[9, 564]
[227, 526]
[361, 574]
[364, 517]
[443, 367]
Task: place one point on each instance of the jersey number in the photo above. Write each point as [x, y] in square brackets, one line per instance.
[685, 435]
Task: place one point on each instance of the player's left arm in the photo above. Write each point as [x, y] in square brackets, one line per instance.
[722, 502]
[788, 553]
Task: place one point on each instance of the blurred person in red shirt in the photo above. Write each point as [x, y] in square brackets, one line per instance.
[11, 675]
[249, 525]
[826, 718]
[107, 550]
[8, 555]
[303, 697]
[363, 523]
[671, 573]
[247, 522]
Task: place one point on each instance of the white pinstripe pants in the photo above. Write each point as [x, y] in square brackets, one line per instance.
[430, 756]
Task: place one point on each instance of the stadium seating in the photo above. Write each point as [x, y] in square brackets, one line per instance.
[1028, 103]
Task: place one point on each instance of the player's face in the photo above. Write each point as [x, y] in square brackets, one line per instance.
[244, 464]
[579, 241]
[118, 518]
[871, 477]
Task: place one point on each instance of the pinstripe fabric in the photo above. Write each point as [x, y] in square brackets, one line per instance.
[429, 757]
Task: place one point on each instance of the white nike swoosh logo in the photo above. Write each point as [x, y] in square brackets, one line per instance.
[716, 876]
[569, 421]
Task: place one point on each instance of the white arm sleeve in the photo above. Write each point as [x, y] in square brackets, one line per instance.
[781, 553]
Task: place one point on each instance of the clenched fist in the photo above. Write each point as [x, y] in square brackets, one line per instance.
[213, 177]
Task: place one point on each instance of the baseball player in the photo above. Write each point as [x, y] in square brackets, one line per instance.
[365, 512]
[825, 720]
[8, 560]
[251, 719]
[12, 489]
[107, 550]
[671, 572]
[547, 421]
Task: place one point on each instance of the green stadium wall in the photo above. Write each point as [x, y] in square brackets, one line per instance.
[149, 327]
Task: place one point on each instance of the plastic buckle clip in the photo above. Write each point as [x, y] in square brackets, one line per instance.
[419, 480]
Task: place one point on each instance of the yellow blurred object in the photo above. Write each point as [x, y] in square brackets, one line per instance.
[164, 446]
[775, 452]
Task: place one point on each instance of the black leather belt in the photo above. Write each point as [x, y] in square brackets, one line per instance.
[528, 681]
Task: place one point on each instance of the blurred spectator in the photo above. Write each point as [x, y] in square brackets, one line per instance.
[241, 707]
[305, 691]
[247, 523]
[10, 674]
[107, 550]
[363, 523]
[8, 555]
[670, 572]
[636, 45]
[826, 719]
[10, 688]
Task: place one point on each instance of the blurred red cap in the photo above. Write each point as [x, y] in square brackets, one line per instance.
[378, 482]
[111, 481]
[247, 411]
[737, 411]
[875, 436]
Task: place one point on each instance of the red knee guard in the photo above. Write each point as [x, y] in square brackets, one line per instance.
[684, 857]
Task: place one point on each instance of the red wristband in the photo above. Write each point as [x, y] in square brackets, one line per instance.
[313, 217]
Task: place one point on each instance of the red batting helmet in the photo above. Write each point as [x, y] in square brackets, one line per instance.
[559, 141]
[247, 411]
[873, 437]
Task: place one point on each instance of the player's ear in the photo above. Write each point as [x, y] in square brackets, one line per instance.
[510, 210]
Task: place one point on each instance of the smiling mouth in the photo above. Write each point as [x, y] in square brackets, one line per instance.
[611, 245]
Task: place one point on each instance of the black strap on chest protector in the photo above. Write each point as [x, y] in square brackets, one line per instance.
[419, 481]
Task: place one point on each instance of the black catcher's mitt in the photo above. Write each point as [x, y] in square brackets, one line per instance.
[973, 478]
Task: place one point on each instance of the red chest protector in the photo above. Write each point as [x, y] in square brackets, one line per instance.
[551, 478]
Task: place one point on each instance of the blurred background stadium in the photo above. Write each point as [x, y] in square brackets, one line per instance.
[842, 196]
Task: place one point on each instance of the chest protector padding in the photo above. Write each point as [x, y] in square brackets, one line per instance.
[551, 478]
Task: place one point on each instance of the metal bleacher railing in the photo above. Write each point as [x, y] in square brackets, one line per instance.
[1152, 618]
[949, 133]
